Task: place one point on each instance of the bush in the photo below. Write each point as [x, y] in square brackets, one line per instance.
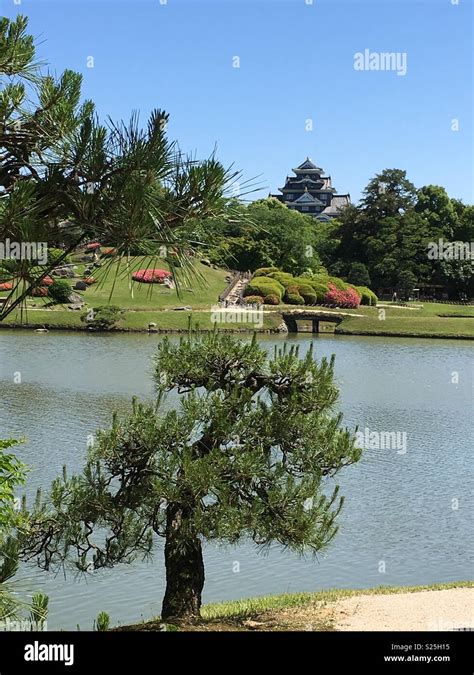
[284, 278]
[338, 283]
[308, 294]
[271, 299]
[347, 298]
[151, 276]
[60, 291]
[6, 286]
[89, 281]
[294, 299]
[264, 286]
[265, 271]
[368, 297]
[47, 281]
[317, 285]
[54, 254]
[253, 300]
[40, 292]
[103, 318]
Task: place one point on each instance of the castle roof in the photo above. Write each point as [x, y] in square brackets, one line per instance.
[307, 198]
[308, 167]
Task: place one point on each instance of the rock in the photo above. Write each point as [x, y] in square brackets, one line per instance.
[76, 306]
[253, 625]
[41, 330]
[206, 262]
[152, 325]
[182, 309]
[282, 328]
[76, 299]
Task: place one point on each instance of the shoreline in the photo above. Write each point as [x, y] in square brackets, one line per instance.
[261, 331]
[443, 607]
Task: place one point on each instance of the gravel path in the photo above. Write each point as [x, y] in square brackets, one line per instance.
[425, 610]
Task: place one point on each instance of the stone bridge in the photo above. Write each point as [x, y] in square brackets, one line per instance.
[292, 317]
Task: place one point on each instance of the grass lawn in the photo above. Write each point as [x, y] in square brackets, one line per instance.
[154, 303]
[282, 612]
[113, 286]
[416, 319]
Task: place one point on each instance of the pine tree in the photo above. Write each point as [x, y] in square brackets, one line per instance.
[244, 453]
[66, 178]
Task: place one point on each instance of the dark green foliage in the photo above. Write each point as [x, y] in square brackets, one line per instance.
[271, 300]
[60, 291]
[244, 454]
[103, 318]
[358, 274]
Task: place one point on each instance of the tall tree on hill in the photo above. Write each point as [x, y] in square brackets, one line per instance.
[245, 454]
[65, 178]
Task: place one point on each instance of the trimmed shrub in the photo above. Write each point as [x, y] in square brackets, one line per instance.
[265, 271]
[103, 318]
[348, 298]
[6, 286]
[89, 281]
[151, 276]
[271, 300]
[264, 286]
[40, 292]
[294, 299]
[308, 294]
[253, 300]
[339, 284]
[368, 297]
[60, 291]
[284, 278]
[47, 281]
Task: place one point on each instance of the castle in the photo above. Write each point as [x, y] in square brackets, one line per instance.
[311, 193]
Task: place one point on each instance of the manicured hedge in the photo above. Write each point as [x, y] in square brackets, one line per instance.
[265, 271]
[264, 286]
[271, 299]
[253, 300]
[284, 278]
[294, 299]
[368, 297]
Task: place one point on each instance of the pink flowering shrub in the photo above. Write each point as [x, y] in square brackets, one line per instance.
[47, 281]
[6, 286]
[347, 298]
[155, 276]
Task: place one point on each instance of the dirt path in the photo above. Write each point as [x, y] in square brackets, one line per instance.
[425, 610]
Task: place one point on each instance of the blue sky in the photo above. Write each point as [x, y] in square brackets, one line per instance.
[296, 64]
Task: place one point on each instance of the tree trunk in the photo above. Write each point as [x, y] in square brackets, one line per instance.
[184, 566]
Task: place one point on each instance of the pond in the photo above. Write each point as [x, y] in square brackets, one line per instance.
[407, 519]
